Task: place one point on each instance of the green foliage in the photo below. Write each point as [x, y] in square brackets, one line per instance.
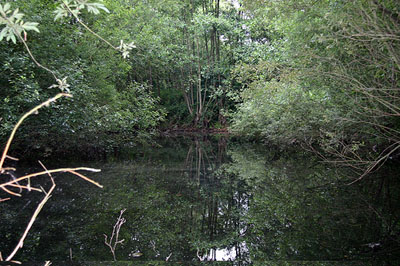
[14, 25]
[107, 109]
[343, 55]
[283, 112]
[75, 6]
[286, 71]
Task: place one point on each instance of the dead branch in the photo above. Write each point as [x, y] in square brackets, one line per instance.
[12, 158]
[115, 232]
[70, 170]
[33, 218]
[15, 182]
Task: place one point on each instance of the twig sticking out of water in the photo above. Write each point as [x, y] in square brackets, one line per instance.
[115, 233]
[201, 258]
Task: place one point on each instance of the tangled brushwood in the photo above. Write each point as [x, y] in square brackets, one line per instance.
[24, 183]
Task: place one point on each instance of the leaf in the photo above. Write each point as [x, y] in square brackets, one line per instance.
[12, 36]
[60, 13]
[31, 26]
[125, 54]
[18, 16]
[101, 6]
[93, 10]
[3, 33]
[6, 7]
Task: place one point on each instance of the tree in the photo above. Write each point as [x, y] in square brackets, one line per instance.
[340, 59]
[97, 77]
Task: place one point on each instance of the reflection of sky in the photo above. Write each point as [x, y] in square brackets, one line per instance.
[227, 254]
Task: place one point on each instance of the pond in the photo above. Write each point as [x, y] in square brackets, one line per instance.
[207, 198]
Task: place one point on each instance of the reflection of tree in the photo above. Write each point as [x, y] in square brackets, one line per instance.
[293, 214]
[256, 205]
[223, 201]
[203, 159]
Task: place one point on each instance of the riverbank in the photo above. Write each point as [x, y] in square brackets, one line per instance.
[193, 130]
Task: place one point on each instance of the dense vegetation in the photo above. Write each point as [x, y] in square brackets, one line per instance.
[323, 74]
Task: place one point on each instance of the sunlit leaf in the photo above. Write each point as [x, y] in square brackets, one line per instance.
[6, 7]
[13, 39]
[3, 33]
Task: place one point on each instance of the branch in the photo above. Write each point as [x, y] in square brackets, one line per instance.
[115, 232]
[87, 28]
[34, 110]
[11, 24]
[35, 214]
[70, 170]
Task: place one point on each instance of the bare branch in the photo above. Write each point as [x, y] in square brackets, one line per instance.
[34, 110]
[115, 233]
[33, 218]
[70, 170]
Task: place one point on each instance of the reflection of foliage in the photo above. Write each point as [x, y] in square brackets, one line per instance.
[294, 215]
[262, 206]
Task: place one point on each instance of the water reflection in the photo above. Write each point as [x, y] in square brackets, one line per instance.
[225, 254]
[207, 199]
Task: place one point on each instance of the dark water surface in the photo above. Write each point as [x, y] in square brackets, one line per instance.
[205, 198]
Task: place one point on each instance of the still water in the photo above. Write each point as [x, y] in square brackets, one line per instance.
[192, 199]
